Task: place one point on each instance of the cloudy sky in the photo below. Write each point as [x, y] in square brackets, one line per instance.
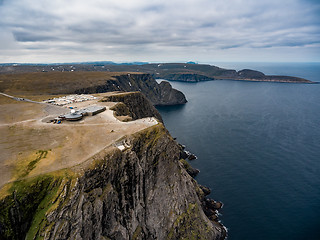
[159, 31]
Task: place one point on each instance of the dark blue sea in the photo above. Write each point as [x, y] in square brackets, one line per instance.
[258, 148]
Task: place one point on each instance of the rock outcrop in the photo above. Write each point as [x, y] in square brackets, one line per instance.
[57, 83]
[169, 95]
[133, 104]
[142, 192]
[158, 94]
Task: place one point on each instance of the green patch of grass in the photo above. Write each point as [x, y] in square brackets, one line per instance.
[32, 164]
[19, 207]
[40, 155]
[189, 225]
[185, 164]
[153, 134]
[23, 209]
[39, 220]
[137, 233]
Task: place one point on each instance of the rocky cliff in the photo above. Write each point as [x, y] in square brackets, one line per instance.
[56, 83]
[142, 192]
[158, 94]
[134, 105]
[169, 95]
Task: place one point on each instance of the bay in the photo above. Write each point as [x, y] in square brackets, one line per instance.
[258, 148]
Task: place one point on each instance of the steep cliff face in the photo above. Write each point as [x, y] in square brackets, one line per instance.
[142, 192]
[158, 94]
[134, 105]
[169, 95]
[57, 83]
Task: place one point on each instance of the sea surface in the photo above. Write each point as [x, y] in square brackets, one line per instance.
[258, 148]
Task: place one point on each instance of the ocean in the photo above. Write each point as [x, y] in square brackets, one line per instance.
[258, 149]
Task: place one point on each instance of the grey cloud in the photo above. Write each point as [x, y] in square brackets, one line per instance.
[31, 37]
[203, 25]
[157, 8]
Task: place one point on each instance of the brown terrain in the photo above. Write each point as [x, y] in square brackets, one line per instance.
[52, 82]
[115, 175]
[25, 134]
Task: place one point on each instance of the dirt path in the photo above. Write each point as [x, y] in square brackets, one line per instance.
[19, 99]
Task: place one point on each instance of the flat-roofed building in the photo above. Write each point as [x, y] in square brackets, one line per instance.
[93, 110]
[79, 114]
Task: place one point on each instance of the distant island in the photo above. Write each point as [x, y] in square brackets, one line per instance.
[186, 72]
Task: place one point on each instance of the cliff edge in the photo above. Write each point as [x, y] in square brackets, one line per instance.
[158, 94]
[142, 192]
[135, 188]
[133, 105]
[56, 83]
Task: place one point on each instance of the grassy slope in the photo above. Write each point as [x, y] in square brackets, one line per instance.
[52, 82]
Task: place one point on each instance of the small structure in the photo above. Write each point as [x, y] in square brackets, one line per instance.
[61, 101]
[93, 110]
[79, 114]
[121, 147]
[73, 116]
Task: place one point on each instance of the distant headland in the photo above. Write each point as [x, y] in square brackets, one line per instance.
[186, 72]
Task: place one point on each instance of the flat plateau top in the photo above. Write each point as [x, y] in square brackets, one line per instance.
[25, 134]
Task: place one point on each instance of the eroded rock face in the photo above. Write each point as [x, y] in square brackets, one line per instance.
[142, 192]
[169, 95]
[134, 104]
[158, 94]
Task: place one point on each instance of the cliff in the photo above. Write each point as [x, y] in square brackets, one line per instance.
[158, 94]
[56, 83]
[133, 105]
[143, 192]
[169, 95]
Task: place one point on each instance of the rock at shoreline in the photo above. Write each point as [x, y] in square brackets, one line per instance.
[193, 172]
[205, 190]
[192, 157]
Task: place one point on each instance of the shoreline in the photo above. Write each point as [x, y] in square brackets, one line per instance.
[243, 80]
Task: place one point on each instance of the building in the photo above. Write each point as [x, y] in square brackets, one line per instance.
[73, 116]
[78, 115]
[93, 110]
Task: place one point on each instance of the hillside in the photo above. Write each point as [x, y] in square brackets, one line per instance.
[50, 83]
[170, 71]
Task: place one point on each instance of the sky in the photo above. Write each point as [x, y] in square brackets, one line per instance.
[204, 31]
